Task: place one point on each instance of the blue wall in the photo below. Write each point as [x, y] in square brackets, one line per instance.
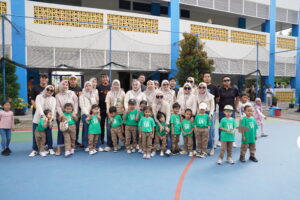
[155, 9]
[242, 22]
[18, 44]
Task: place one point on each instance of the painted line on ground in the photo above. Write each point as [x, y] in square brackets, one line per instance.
[181, 179]
[298, 142]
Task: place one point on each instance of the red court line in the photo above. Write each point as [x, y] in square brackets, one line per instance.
[181, 179]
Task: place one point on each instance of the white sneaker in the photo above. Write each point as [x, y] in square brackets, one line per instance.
[137, 147]
[87, 150]
[153, 154]
[162, 153]
[51, 152]
[195, 152]
[183, 152]
[218, 144]
[234, 145]
[107, 149]
[168, 152]
[43, 154]
[148, 156]
[133, 150]
[219, 162]
[100, 149]
[32, 154]
[95, 151]
[145, 156]
[72, 151]
[212, 152]
[92, 152]
[140, 151]
[230, 161]
[68, 153]
[129, 151]
[191, 154]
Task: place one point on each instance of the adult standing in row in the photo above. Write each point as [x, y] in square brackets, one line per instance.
[187, 100]
[44, 101]
[73, 86]
[135, 93]
[37, 89]
[94, 85]
[169, 94]
[150, 92]
[228, 96]
[142, 79]
[62, 97]
[172, 82]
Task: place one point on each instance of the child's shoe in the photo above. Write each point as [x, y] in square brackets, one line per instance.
[252, 158]
[153, 153]
[148, 156]
[33, 153]
[242, 159]
[8, 150]
[51, 152]
[194, 152]
[191, 154]
[168, 152]
[203, 155]
[212, 152]
[129, 151]
[5, 152]
[162, 153]
[220, 161]
[145, 156]
[86, 149]
[140, 151]
[115, 150]
[72, 151]
[92, 152]
[68, 153]
[133, 150]
[230, 161]
[234, 145]
[43, 154]
[100, 149]
[183, 152]
[107, 149]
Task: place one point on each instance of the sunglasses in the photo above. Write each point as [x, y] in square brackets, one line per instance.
[187, 88]
[189, 81]
[159, 97]
[50, 90]
[202, 88]
[226, 80]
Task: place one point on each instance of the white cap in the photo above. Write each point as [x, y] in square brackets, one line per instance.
[202, 106]
[73, 76]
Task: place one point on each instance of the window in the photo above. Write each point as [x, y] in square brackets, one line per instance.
[124, 4]
[164, 10]
[142, 7]
[185, 13]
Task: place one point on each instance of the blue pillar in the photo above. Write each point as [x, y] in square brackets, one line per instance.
[295, 81]
[155, 9]
[270, 27]
[18, 44]
[263, 27]
[174, 14]
[155, 76]
[242, 22]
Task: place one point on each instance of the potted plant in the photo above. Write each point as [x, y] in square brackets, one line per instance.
[292, 102]
[274, 101]
[19, 106]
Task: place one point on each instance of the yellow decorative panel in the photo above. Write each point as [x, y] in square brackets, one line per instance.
[210, 33]
[284, 96]
[286, 43]
[248, 38]
[3, 8]
[63, 17]
[143, 25]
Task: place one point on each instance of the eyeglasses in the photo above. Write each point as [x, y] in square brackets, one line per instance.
[226, 80]
[49, 90]
[187, 88]
[202, 88]
[159, 97]
[189, 81]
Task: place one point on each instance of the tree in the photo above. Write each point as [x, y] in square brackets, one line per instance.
[193, 60]
[12, 87]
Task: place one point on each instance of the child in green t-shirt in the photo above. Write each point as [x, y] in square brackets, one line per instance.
[202, 124]
[40, 133]
[187, 128]
[140, 114]
[227, 127]
[160, 134]
[175, 122]
[248, 137]
[147, 126]
[130, 120]
[70, 132]
[94, 128]
[116, 129]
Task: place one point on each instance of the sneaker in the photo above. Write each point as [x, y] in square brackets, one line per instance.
[212, 152]
[87, 150]
[168, 152]
[234, 145]
[148, 156]
[129, 151]
[43, 154]
[203, 155]
[252, 158]
[153, 153]
[100, 149]
[230, 161]
[119, 147]
[8, 150]
[220, 161]
[195, 152]
[72, 151]
[218, 144]
[4, 152]
[140, 151]
[137, 147]
[145, 156]
[162, 153]
[51, 152]
[264, 135]
[107, 149]
[115, 150]
[242, 159]
[95, 151]
[198, 154]
[133, 150]
[183, 152]
[32, 154]
[91, 152]
[191, 154]
[68, 153]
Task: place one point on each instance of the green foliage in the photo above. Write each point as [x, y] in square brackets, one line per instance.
[12, 87]
[19, 103]
[293, 100]
[192, 61]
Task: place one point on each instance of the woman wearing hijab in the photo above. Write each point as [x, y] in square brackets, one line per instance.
[64, 96]
[115, 97]
[204, 96]
[187, 100]
[95, 91]
[150, 92]
[44, 101]
[169, 94]
[86, 100]
[191, 81]
[135, 93]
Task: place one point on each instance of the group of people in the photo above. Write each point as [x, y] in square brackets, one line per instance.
[147, 118]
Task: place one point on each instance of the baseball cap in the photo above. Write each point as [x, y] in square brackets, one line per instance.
[73, 76]
[44, 75]
[202, 106]
[228, 107]
[132, 102]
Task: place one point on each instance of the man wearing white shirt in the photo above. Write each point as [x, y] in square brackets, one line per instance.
[269, 95]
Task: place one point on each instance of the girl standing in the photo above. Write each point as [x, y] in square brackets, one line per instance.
[94, 128]
[6, 126]
[259, 116]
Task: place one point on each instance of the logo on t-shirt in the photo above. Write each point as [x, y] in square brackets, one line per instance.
[229, 126]
[132, 117]
[187, 126]
[251, 125]
[146, 124]
[201, 121]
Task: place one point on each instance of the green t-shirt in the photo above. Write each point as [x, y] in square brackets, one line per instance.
[130, 118]
[202, 121]
[229, 124]
[71, 121]
[117, 121]
[147, 124]
[141, 115]
[40, 125]
[175, 120]
[94, 125]
[187, 126]
[160, 132]
[251, 134]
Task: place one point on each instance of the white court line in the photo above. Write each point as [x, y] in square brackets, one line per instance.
[298, 142]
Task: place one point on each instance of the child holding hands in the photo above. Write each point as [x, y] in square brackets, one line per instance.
[94, 128]
[187, 129]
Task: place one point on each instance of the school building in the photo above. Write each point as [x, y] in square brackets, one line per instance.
[141, 36]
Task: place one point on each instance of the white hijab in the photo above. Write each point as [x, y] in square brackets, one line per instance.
[47, 102]
[206, 96]
[87, 94]
[115, 93]
[61, 91]
[139, 91]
